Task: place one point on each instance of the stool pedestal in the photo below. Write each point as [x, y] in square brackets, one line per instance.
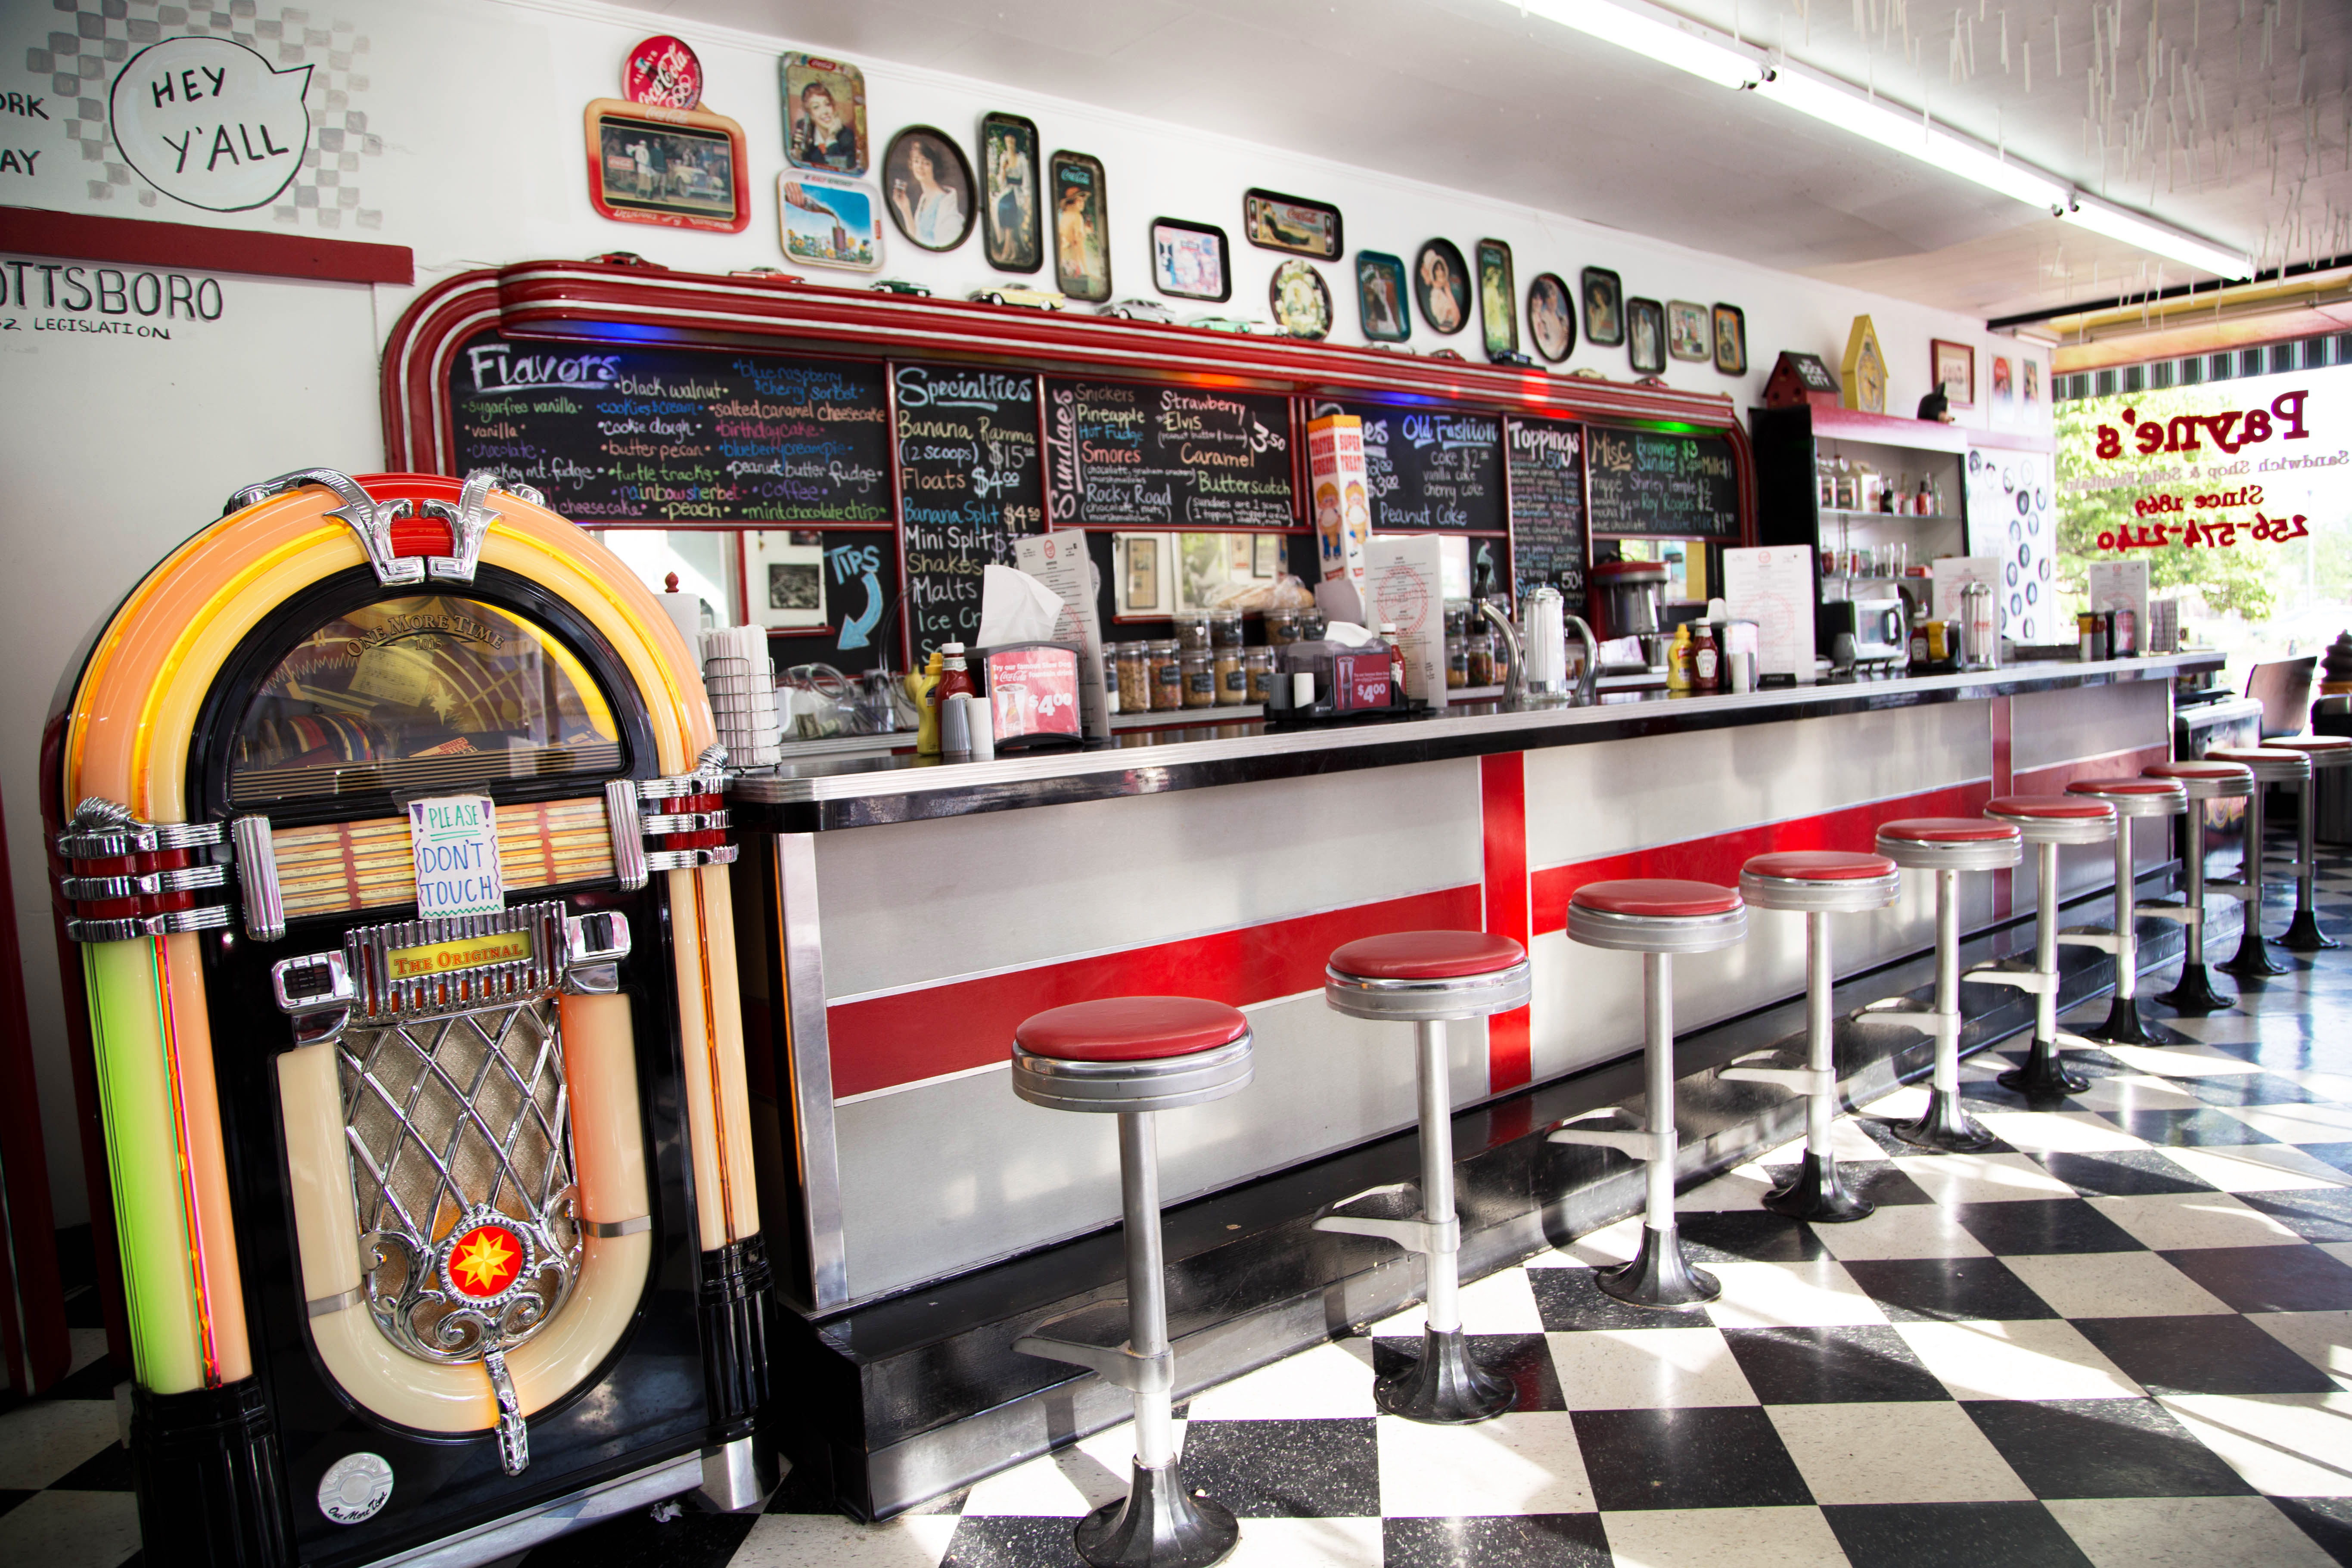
[2132, 799]
[2204, 780]
[2046, 822]
[2327, 752]
[2271, 765]
[1428, 979]
[1947, 846]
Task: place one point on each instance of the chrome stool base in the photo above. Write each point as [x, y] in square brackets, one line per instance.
[2044, 1075]
[1945, 1127]
[1659, 1277]
[1444, 1388]
[1817, 1193]
[1158, 1524]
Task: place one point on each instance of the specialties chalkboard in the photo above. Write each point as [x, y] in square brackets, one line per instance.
[1545, 459]
[968, 484]
[669, 435]
[1663, 483]
[1432, 468]
[1187, 458]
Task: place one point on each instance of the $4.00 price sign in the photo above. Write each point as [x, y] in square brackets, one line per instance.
[2192, 534]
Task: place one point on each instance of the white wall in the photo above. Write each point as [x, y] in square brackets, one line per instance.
[461, 137]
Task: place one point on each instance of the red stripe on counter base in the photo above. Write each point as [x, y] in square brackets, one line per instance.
[1718, 859]
[2053, 779]
[962, 1024]
[1503, 821]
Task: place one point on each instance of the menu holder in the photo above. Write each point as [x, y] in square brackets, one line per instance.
[1033, 694]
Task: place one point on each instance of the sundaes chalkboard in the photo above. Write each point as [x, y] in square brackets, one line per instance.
[1179, 458]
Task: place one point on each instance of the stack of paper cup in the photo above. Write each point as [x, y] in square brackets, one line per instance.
[741, 680]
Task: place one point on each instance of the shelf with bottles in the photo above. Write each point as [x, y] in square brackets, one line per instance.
[1844, 511]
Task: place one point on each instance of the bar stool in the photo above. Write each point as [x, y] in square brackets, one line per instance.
[1656, 917]
[2327, 752]
[2046, 821]
[1947, 845]
[2272, 765]
[2132, 798]
[1428, 979]
[1817, 884]
[1134, 1056]
[2203, 780]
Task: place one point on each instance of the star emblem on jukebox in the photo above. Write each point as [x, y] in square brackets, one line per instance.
[485, 1256]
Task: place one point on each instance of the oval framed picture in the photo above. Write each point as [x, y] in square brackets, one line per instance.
[1301, 300]
[1551, 317]
[1441, 286]
[927, 184]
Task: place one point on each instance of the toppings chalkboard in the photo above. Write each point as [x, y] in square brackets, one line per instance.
[1432, 468]
[1546, 463]
[1189, 458]
[1662, 482]
[669, 435]
[968, 484]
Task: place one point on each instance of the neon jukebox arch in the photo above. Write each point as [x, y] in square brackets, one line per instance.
[388, 827]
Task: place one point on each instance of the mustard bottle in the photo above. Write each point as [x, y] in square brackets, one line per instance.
[919, 684]
[1678, 660]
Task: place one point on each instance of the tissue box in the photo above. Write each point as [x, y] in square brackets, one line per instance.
[1033, 693]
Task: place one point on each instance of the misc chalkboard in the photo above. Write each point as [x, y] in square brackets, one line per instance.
[1663, 483]
[1431, 468]
[1546, 463]
[969, 485]
[671, 436]
[1188, 457]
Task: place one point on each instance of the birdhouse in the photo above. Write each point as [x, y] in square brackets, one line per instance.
[1801, 380]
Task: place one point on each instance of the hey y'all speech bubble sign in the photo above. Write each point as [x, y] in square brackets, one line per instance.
[209, 122]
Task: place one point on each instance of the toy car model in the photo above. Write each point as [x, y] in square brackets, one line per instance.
[1228, 324]
[768, 275]
[1139, 311]
[899, 286]
[1015, 294]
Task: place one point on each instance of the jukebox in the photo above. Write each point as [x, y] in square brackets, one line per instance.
[389, 833]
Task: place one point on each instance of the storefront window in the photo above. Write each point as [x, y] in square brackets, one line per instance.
[419, 695]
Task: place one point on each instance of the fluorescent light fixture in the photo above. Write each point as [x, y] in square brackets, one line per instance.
[2116, 223]
[1848, 108]
[1658, 33]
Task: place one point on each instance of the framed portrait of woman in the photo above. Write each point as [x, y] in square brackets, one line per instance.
[1731, 340]
[927, 184]
[1646, 335]
[1441, 287]
[1604, 307]
[824, 115]
[1498, 299]
[1687, 330]
[1010, 229]
[1081, 216]
[1382, 298]
[1551, 317]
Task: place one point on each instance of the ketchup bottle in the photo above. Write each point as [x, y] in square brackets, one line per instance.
[955, 680]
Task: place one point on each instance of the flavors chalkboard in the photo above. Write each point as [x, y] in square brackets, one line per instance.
[668, 436]
[1546, 462]
[1661, 482]
[1186, 457]
[968, 484]
[1431, 468]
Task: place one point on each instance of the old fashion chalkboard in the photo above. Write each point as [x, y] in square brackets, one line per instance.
[1663, 483]
[968, 484]
[668, 436]
[1189, 458]
[1545, 460]
[1432, 468]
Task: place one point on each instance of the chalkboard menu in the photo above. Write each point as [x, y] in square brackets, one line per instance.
[1431, 468]
[1546, 461]
[669, 435]
[968, 484]
[1183, 457]
[1663, 483]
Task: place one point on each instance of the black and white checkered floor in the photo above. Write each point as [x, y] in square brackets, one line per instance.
[2122, 1337]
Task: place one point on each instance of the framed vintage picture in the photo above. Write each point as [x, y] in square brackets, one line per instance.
[929, 183]
[786, 580]
[1441, 287]
[1140, 576]
[1645, 336]
[1380, 297]
[1604, 307]
[1265, 555]
[1081, 207]
[1301, 300]
[1498, 299]
[1011, 228]
[2029, 380]
[1686, 331]
[1551, 317]
[1956, 371]
[1187, 260]
[824, 115]
[680, 168]
[1731, 340]
[1294, 224]
[824, 220]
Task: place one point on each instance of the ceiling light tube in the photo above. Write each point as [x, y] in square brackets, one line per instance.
[1658, 33]
[2161, 239]
[1907, 132]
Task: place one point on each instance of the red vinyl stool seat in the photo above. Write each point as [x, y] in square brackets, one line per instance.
[2200, 779]
[1946, 846]
[1816, 883]
[1136, 1055]
[2271, 765]
[2132, 798]
[1656, 917]
[2328, 753]
[2046, 821]
[2055, 818]
[1429, 978]
[2205, 780]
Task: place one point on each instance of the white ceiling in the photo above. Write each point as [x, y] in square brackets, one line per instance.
[1474, 93]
